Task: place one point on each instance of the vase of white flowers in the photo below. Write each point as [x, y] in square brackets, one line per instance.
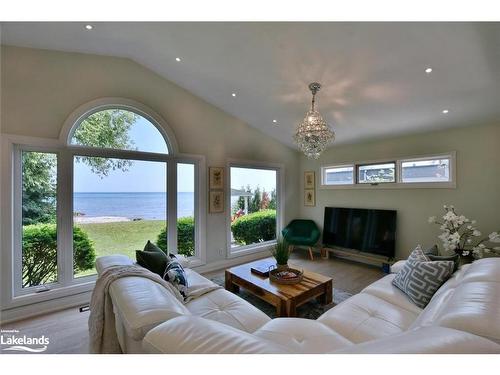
[460, 235]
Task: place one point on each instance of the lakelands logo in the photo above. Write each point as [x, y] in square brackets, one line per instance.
[12, 341]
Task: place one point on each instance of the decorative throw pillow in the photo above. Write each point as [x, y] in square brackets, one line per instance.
[152, 247]
[153, 258]
[175, 274]
[420, 277]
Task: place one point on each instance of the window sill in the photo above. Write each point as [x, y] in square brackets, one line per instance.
[392, 185]
[250, 249]
[32, 298]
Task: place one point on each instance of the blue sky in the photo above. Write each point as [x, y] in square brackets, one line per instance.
[146, 176]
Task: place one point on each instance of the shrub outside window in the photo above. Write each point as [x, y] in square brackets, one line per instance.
[254, 207]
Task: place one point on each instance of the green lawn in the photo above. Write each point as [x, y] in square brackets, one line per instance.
[122, 237]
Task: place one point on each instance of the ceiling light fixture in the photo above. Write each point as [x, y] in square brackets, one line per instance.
[313, 134]
[445, 111]
[89, 27]
[177, 59]
[428, 70]
[275, 121]
[233, 94]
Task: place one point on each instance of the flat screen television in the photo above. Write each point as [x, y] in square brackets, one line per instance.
[368, 230]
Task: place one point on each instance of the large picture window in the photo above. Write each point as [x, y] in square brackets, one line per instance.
[118, 211]
[112, 187]
[254, 207]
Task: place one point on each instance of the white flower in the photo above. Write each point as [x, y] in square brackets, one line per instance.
[469, 226]
[476, 233]
[465, 253]
[494, 237]
[481, 246]
[432, 219]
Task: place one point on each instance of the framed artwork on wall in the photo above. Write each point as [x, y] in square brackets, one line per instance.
[216, 202]
[309, 180]
[309, 197]
[216, 177]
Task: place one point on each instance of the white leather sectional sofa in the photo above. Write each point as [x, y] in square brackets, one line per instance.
[462, 317]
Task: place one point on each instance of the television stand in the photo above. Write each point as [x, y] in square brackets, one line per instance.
[358, 256]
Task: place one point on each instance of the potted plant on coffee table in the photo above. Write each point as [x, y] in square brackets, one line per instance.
[281, 254]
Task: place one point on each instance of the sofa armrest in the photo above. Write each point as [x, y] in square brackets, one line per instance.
[196, 335]
[398, 266]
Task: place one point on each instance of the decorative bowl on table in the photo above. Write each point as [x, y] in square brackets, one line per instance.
[287, 276]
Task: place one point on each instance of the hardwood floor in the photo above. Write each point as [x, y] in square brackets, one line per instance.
[67, 329]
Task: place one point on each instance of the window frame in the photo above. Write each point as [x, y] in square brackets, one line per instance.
[428, 158]
[325, 168]
[358, 165]
[280, 206]
[67, 284]
[398, 184]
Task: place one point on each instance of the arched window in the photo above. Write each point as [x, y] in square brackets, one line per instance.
[112, 187]
[119, 129]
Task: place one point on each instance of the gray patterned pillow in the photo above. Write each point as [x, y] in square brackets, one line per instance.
[420, 277]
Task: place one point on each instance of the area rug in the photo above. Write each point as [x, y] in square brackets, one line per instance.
[310, 310]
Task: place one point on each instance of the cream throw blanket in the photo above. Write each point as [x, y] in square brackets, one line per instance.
[102, 330]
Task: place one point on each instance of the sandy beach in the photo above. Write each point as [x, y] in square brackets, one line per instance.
[99, 219]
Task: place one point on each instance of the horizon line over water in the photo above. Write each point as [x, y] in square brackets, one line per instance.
[132, 205]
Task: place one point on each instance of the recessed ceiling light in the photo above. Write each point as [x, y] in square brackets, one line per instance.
[428, 70]
[445, 111]
[177, 59]
[275, 121]
[89, 27]
[233, 94]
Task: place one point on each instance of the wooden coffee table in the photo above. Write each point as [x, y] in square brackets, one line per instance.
[286, 298]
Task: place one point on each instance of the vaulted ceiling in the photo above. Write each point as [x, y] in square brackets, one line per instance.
[373, 74]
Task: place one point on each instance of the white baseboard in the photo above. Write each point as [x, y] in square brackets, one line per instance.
[41, 308]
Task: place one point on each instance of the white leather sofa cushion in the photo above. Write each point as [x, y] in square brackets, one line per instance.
[195, 335]
[104, 262]
[384, 289]
[365, 317]
[143, 304]
[225, 307]
[468, 301]
[486, 269]
[429, 340]
[302, 335]
[474, 308]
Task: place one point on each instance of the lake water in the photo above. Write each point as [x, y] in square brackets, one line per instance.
[148, 206]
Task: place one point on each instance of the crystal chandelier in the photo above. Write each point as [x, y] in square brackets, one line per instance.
[313, 134]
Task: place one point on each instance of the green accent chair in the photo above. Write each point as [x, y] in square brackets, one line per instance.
[300, 232]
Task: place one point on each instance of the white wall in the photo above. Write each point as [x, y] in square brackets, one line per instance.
[41, 88]
[477, 194]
